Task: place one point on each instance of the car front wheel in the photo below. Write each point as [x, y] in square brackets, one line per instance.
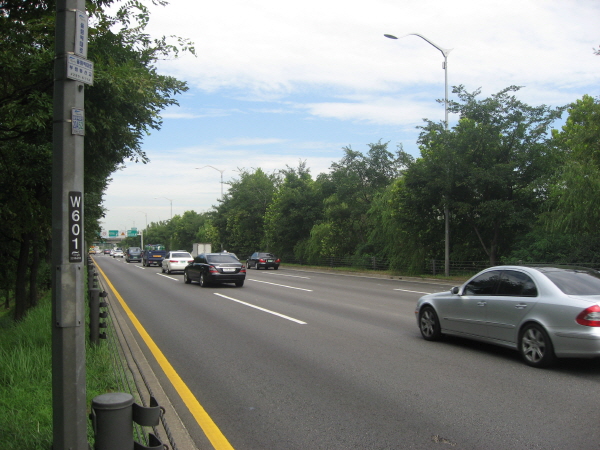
[429, 324]
[535, 346]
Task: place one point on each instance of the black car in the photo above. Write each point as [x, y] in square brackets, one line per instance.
[133, 254]
[262, 259]
[208, 268]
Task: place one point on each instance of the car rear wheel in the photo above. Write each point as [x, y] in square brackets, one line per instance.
[535, 346]
[186, 279]
[429, 324]
[203, 281]
[239, 283]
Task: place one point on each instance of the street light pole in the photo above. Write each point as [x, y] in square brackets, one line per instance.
[218, 170]
[155, 198]
[142, 238]
[445, 52]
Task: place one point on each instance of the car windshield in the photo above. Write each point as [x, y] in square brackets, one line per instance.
[575, 281]
[181, 255]
[221, 259]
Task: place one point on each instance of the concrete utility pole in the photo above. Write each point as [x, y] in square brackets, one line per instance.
[71, 71]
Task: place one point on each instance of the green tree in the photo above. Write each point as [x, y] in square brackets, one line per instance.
[296, 207]
[124, 103]
[575, 200]
[240, 217]
[490, 167]
[348, 191]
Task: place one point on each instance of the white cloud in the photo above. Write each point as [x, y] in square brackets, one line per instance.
[276, 82]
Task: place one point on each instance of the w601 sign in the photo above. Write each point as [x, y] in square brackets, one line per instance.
[75, 227]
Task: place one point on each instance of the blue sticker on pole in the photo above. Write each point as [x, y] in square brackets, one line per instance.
[75, 227]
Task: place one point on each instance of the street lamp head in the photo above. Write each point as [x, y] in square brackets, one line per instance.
[390, 36]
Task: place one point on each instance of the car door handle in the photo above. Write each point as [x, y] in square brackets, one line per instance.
[521, 306]
[481, 303]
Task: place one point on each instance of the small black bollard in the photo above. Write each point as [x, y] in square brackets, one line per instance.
[94, 315]
[112, 418]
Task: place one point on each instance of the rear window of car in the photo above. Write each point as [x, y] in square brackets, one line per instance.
[180, 255]
[266, 255]
[575, 282]
[221, 259]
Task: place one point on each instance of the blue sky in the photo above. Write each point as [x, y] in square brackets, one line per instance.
[277, 82]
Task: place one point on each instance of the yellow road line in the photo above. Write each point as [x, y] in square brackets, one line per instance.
[214, 435]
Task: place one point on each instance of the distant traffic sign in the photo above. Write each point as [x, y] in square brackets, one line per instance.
[132, 233]
[113, 233]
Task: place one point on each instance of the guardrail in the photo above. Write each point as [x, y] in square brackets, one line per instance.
[122, 416]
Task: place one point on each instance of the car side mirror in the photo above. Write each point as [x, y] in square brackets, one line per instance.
[455, 290]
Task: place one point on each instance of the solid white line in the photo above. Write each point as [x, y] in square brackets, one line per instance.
[261, 309]
[167, 276]
[284, 275]
[414, 292]
[283, 285]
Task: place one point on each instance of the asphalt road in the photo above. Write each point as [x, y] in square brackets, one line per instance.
[337, 362]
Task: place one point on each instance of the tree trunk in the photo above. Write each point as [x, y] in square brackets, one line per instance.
[33, 274]
[21, 282]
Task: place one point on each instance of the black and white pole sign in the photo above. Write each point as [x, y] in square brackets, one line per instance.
[75, 227]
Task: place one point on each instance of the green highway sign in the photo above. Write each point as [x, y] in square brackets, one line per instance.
[113, 233]
[132, 233]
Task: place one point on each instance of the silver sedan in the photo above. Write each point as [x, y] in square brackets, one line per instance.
[543, 312]
[176, 261]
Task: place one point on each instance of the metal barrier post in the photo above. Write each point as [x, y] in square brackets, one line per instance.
[94, 316]
[112, 421]
[112, 418]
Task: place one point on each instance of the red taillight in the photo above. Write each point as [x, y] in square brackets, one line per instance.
[589, 317]
[174, 260]
[190, 261]
[243, 270]
[261, 260]
[211, 269]
[277, 260]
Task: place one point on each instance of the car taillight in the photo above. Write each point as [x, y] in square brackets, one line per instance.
[261, 260]
[589, 317]
[173, 260]
[277, 260]
[243, 270]
[211, 269]
[190, 261]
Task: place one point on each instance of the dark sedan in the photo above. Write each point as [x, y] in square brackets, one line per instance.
[209, 268]
[263, 259]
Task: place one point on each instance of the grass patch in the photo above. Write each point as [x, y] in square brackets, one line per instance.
[26, 378]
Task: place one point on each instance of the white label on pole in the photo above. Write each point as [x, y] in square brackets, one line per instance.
[75, 227]
[81, 34]
[80, 69]
[77, 121]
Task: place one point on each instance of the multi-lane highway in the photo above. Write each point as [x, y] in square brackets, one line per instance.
[305, 360]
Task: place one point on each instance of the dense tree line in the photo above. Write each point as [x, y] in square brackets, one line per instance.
[122, 105]
[516, 189]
